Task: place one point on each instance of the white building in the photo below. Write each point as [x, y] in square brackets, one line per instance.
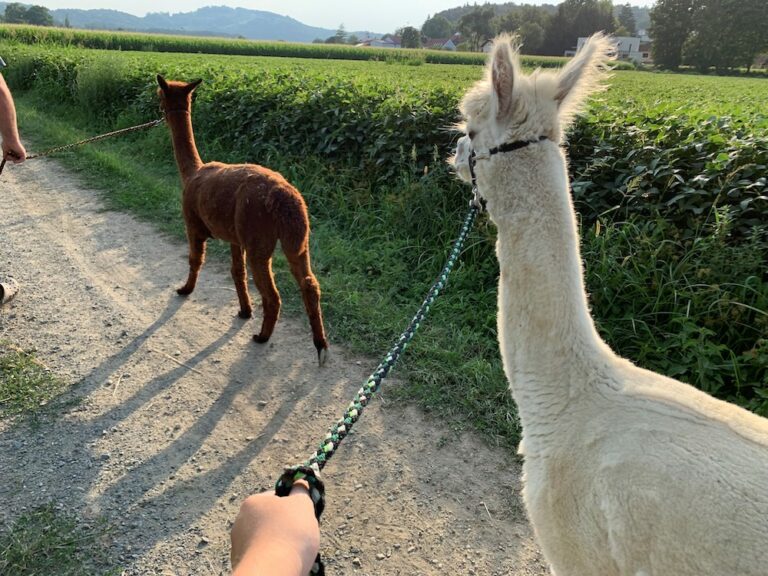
[627, 48]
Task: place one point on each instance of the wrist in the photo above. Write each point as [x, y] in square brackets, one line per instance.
[277, 559]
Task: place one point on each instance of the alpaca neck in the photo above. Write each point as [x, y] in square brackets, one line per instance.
[548, 341]
[184, 148]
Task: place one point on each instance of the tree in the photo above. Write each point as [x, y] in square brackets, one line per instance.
[410, 37]
[339, 38]
[66, 22]
[15, 13]
[575, 19]
[437, 27]
[726, 34]
[748, 30]
[531, 37]
[529, 23]
[476, 26]
[670, 27]
[39, 16]
[509, 22]
[627, 19]
[353, 39]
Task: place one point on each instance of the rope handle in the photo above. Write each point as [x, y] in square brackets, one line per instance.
[316, 492]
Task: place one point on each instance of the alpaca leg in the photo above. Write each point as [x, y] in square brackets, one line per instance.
[270, 297]
[196, 259]
[240, 277]
[310, 292]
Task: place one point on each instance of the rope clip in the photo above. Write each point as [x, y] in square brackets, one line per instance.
[477, 201]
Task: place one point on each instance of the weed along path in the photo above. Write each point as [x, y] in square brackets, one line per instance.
[175, 414]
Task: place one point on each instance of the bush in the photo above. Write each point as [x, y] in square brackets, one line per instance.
[686, 170]
[690, 305]
[105, 87]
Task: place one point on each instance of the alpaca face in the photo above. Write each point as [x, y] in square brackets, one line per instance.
[508, 105]
[175, 96]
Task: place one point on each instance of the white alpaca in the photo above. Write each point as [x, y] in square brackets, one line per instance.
[626, 472]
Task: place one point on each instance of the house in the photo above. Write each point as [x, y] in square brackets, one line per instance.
[627, 48]
[440, 44]
[386, 41]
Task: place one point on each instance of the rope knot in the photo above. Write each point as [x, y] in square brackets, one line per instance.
[309, 474]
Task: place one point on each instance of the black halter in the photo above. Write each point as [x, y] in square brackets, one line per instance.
[506, 147]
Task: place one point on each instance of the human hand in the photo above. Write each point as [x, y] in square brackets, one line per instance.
[14, 150]
[276, 536]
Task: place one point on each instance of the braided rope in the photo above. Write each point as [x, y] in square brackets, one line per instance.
[342, 428]
[151, 124]
[310, 470]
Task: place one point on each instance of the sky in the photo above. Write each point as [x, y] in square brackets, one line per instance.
[373, 15]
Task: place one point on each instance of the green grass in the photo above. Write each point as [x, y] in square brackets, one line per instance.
[27, 387]
[47, 541]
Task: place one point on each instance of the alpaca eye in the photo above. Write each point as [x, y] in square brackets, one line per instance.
[472, 134]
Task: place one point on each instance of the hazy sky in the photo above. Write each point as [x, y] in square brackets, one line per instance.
[374, 15]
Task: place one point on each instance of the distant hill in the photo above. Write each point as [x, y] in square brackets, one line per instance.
[211, 20]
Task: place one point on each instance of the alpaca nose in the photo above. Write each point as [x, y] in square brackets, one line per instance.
[461, 159]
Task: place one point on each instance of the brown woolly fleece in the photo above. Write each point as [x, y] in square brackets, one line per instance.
[249, 206]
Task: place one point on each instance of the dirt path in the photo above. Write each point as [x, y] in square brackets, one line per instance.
[182, 414]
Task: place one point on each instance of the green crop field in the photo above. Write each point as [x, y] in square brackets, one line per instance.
[669, 176]
[131, 41]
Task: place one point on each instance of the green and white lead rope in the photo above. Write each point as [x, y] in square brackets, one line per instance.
[310, 470]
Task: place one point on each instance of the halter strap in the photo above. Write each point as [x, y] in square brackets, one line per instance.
[512, 146]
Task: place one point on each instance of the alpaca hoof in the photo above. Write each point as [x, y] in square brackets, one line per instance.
[322, 356]
[260, 339]
[245, 314]
[184, 291]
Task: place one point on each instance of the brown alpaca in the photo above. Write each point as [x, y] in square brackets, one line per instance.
[249, 206]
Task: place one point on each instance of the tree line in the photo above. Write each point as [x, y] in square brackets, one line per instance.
[545, 29]
[16, 13]
[719, 34]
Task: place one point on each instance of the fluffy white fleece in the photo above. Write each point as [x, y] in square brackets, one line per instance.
[626, 472]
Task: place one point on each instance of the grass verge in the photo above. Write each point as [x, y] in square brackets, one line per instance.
[27, 386]
[48, 541]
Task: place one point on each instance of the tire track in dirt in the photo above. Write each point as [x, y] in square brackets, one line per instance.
[181, 414]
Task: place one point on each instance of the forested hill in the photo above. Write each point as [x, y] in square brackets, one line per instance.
[455, 14]
[641, 13]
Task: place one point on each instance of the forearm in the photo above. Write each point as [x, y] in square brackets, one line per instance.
[8, 129]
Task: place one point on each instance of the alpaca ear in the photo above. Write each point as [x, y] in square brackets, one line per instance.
[583, 74]
[162, 83]
[192, 85]
[503, 72]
